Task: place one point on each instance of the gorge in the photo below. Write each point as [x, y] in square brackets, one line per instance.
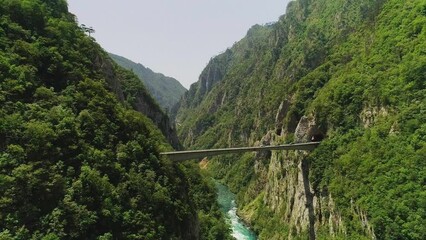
[226, 201]
[349, 72]
[81, 137]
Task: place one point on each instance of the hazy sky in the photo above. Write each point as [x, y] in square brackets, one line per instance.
[173, 37]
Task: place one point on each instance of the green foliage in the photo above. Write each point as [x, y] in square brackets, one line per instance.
[212, 227]
[167, 91]
[76, 161]
[267, 225]
[389, 179]
[356, 67]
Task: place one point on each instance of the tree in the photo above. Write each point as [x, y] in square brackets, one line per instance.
[87, 29]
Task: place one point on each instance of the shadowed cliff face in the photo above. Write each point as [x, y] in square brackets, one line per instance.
[350, 73]
[167, 91]
[142, 101]
[288, 190]
[77, 161]
[160, 119]
[214, 72]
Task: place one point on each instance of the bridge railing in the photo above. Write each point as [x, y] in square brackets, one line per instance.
[199, 154]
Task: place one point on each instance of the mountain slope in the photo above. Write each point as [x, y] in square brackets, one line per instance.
[350, 72]
[166, 90]
[80, 141]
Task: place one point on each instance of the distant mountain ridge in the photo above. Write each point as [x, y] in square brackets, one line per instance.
[167, 91]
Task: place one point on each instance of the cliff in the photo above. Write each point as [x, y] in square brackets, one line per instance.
[349, 72]
[79, 145]
[131, 91]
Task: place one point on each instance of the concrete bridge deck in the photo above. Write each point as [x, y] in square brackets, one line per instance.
[198, 154]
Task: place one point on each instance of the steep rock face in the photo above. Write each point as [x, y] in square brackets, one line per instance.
[160, 119]
[107, 68]
[288, 191]
[351, 72]
[219, 68]
[370, 114]
[213, 73]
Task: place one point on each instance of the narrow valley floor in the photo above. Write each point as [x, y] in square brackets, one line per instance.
[228, 206]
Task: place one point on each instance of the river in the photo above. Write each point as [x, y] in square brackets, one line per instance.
[227, 204]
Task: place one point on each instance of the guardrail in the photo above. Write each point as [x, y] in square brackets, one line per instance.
[198, 154]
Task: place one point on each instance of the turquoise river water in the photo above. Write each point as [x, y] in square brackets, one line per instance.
[227, 204]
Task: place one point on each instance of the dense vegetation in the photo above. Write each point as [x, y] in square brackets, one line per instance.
[76, 161]
[167, 91]
[358, 68]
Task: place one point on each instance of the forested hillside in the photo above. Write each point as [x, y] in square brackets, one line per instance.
[167, 91]
[80, 140]
[351, 72]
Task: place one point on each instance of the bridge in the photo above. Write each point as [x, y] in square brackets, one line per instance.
[198, 154]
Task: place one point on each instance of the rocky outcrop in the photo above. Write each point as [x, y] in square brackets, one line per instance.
[370, 114]
[328, 215]
[214, 72]
[107, 68]
[281, 114]
[288, 192]
[160, 119]
[307, 130]
[363, 218]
